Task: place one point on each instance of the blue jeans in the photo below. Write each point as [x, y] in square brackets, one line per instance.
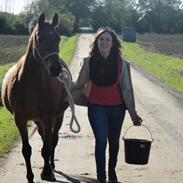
[106, 123]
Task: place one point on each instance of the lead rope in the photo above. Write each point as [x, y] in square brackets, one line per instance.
[71, 103]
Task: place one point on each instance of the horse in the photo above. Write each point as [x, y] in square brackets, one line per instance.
[31, 90]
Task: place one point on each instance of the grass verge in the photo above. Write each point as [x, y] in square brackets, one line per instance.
[3, 69]
[8, 131]
[67, 48]
[168, 69]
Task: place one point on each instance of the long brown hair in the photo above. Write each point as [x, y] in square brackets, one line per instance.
[116, 45]
[104, 72]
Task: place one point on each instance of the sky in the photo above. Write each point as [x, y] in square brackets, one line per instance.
[13, 6]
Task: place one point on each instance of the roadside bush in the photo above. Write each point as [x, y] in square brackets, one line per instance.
[20, 29]
[4, 27]
[66, 26]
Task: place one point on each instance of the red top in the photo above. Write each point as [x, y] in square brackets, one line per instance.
[110, 95]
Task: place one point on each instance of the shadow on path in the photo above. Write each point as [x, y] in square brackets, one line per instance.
[75, 178]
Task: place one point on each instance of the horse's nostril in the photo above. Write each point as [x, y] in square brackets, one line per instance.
[55, 69]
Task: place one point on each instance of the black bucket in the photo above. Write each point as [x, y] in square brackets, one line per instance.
[137, 150]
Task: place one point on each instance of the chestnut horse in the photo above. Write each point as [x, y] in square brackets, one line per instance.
[31, 91]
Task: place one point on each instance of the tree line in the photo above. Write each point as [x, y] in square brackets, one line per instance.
[158, 16]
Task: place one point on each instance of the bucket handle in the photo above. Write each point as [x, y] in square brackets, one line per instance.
[140, 125]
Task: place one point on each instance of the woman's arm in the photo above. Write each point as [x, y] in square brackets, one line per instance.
[77, 87]
[128, 94]
[83, 76]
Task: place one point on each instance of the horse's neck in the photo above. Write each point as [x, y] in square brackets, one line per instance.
[30, 67]
[30, 61]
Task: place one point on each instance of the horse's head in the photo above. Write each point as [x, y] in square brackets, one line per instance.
[46, 44]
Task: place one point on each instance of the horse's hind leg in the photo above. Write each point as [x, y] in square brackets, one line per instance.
[47, 172]
[55, 130]
[26, 148]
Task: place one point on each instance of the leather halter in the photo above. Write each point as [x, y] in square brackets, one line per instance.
[43, 58]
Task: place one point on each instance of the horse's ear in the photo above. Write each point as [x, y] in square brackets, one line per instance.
[41, 19]
[54, 20]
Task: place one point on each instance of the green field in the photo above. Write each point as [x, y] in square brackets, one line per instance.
[12, 48]
[67, 47]
[167, 69]
[8, 131]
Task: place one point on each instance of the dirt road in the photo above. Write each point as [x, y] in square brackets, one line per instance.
[75, 152]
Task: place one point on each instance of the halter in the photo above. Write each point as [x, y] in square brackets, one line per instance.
[43, 58]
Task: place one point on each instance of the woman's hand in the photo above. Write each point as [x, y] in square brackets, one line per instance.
[137, 120]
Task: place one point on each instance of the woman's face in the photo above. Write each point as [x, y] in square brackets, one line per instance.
[105, 43]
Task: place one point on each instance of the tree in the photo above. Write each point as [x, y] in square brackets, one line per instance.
[116, 14]
[159, 14]
[6, 21]
[179, 21]
[3, 24]
[19, 28]
[66, 25]
[81, 9]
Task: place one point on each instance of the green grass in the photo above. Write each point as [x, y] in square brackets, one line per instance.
[3, 70]
[165, 68]
[67, 48]
[8, 130]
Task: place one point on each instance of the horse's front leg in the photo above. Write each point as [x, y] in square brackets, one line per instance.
[47, 172]
[56, 127]
[26, 148]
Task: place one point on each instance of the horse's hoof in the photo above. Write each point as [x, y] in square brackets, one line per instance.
[30, 181]
[50, 177]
